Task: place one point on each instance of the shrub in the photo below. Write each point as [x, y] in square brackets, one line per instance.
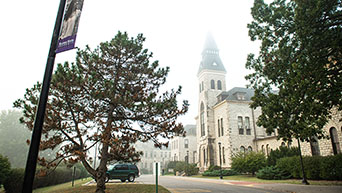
[249, 162]
[331, 167]
[272, 173]
[213, 167]
[217, 173]
[5, 168]
[316, 167]
[14, 180]
[280, 153]
[188, 169]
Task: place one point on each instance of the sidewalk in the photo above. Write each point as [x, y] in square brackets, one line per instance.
[296, 188]
[282, 187]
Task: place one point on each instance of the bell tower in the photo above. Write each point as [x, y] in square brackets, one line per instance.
[212, 81]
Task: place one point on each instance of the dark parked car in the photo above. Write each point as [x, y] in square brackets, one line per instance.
[123, 172]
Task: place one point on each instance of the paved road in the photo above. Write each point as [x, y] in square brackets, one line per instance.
[178, 184]
[200, 185]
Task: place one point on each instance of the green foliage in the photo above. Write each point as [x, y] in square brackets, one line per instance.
[217, 173]
[14, 180]
[300, 56]
[188, 169]
[272, 173]
[316, 167]
[280, 153]
[60, 175]
[15, 146]
[248, 162]
[5, 168]
[111, 95]
[213, 167]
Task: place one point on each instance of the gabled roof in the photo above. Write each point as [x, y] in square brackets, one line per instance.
[235, 93]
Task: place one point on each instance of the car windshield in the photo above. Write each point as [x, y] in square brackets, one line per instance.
[110, 167]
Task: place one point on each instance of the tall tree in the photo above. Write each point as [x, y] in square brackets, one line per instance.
[300, 57]
[13, 136]
[109, 96]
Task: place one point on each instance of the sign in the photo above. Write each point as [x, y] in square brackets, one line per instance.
[67, 35]
[156, 168]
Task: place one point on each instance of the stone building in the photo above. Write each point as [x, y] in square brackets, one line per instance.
[185, 148]
[151, 155]
[226, 124]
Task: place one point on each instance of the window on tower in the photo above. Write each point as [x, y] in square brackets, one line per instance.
[219, 85]
[212, 84]
[202, 120]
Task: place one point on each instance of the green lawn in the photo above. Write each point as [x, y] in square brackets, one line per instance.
[250, 178]
[110, 188]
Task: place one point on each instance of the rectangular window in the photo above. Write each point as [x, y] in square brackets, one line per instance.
[218, 127]
[186, 143]
[222, 133]
[247, 125]
[240, 125]
[223, 156]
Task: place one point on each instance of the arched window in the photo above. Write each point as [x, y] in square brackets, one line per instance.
[200, 88]
[334, 141]
[283, 144]
[202, 120]
[314, 146]
[212, 83]
[250, 148]
[242, 149]
[219, 85]
[267, 149]
[262, 149]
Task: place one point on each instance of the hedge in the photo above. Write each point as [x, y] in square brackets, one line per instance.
[217, 173]
[316, 167]
[15, 178]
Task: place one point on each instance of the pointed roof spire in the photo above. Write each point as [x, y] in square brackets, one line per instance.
[210, 56]
[210, 43]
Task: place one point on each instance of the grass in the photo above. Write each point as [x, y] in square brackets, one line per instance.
[110, 188]
[250, 178]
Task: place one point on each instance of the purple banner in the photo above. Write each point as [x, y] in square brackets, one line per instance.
[67, 35]
[65, 44]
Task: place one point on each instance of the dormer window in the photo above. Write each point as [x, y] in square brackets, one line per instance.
[240, 96]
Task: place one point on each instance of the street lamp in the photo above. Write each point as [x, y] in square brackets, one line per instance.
[187, 156]
[304, 181]
[219, 143]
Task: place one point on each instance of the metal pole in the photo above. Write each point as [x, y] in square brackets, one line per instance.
[73, 176]
[157, 177]
[304, 181]
[31, 163]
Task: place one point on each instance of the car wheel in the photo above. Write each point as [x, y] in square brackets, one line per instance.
[131, 178]
[107, 178]
[123, 180]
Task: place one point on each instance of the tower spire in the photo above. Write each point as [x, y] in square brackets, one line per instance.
[210, 56]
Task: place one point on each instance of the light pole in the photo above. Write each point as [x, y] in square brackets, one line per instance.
[187, 156]
[304, 181]
[219, 143]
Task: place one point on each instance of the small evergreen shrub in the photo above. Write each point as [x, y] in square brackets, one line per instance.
[272, 173]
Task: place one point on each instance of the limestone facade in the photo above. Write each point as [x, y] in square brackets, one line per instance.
[226, 124]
